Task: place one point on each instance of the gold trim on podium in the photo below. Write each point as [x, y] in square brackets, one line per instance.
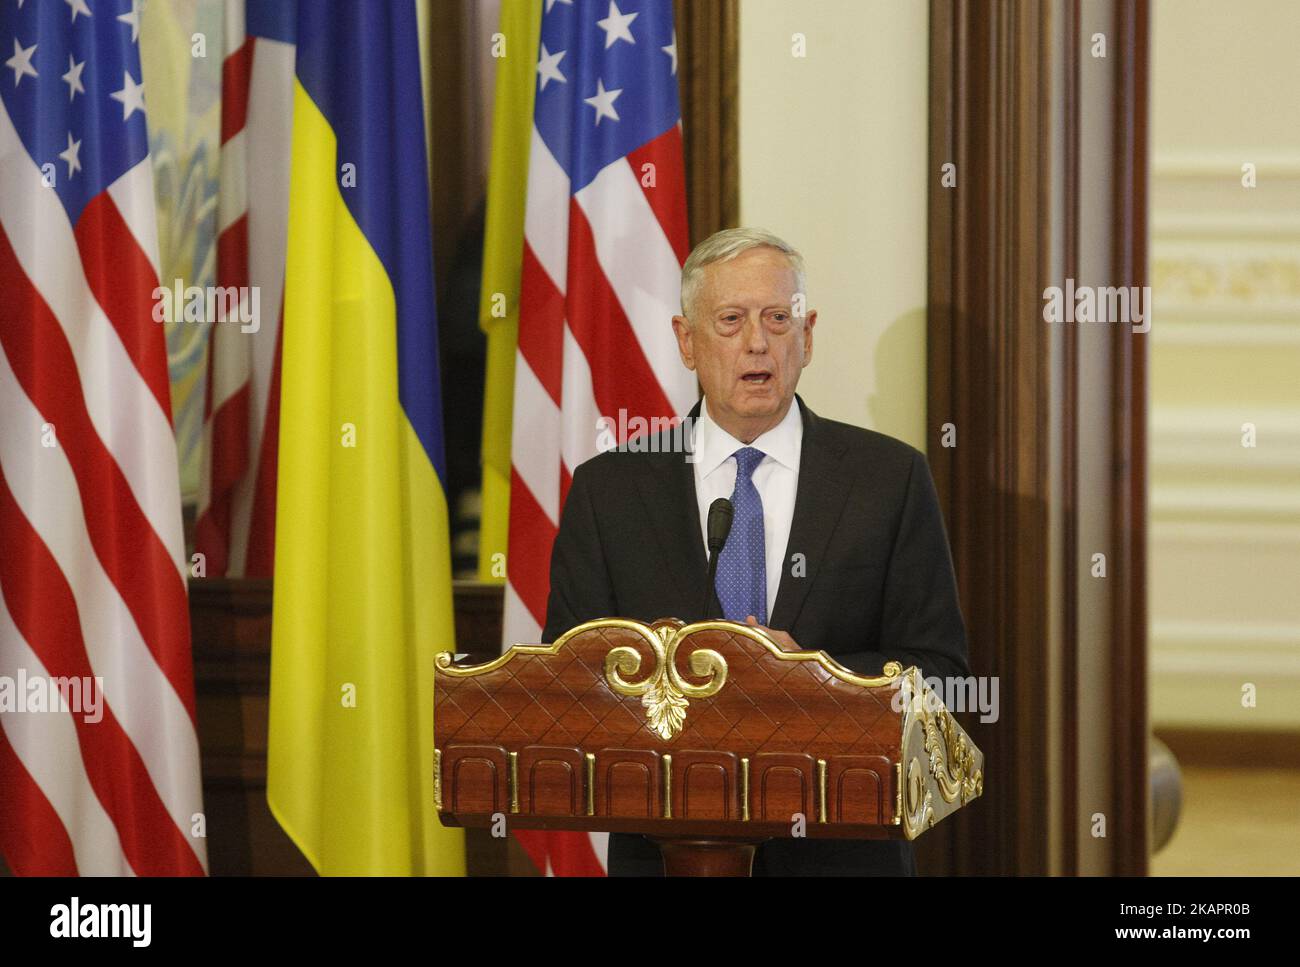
[821, 791]
[590, 760]
[664, 692]
[744, 789]
[668, 785]
[939, 769]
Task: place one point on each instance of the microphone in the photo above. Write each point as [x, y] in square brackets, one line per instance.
[720, 514]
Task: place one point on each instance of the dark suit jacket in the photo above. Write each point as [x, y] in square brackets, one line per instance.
[876, 582]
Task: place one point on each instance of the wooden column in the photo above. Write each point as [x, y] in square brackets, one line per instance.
[708, 68]
[1049, 143]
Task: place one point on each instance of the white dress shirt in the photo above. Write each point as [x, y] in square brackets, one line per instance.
[776, 478]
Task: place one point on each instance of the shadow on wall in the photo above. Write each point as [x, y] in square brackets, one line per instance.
[899, 391]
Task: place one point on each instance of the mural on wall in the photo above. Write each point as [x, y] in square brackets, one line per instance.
[180, 47]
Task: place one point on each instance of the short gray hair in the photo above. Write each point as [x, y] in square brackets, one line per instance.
[724, 246]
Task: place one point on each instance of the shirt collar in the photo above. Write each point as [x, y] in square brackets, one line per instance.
[714, 445]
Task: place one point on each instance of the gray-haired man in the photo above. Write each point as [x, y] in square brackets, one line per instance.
[854, 509]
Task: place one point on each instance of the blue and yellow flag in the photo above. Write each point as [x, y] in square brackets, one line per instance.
[362, 562]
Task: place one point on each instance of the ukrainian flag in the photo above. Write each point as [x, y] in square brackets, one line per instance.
[503, 255]
[362, 557]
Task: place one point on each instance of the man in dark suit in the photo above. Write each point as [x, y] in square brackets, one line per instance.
[837, 531]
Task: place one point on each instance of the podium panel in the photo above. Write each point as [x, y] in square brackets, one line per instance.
[702, 730]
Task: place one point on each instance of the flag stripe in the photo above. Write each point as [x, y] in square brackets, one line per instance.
[623, 378]
[541, 342]
[531, 537]
[521, 626]
[42, 848]
[644, 275]
[573, 854]
[225, 440]
[117, 272]
[582, 415]
[235, 527]
[232, 183]
[535, 843]
[45, 745]
[537, 420]
[133, 196]
[227, 433]
[566, 479]
[226, 427]
[42, 608]
[667, 196]
[270, 119]
[235, 72]
[142, 570]
[156, 711]
[255, 542]
[546, 217]
[232, 266]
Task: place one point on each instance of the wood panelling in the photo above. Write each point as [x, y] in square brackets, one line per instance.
[457, 176]
[1128, 660]
[704, 785]
[1048, 466]
[708, 66]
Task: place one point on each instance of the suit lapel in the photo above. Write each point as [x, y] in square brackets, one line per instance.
[669, 496]
[822, 490]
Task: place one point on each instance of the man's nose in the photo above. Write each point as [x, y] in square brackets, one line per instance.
[755, 334]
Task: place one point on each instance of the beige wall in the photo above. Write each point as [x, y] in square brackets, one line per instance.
[1225, 351]
[833, 159]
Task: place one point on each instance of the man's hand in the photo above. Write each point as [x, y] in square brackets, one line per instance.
[780, 637]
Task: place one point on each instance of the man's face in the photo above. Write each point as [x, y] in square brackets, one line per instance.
[745, 342]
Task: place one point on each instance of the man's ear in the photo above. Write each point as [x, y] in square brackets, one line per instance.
[809, 321]
[682, 330]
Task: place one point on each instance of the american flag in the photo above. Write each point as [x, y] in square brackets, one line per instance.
[235, 526]
[605, 236]
[92, 570]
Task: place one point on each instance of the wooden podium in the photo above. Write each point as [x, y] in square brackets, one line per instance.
[708, 738]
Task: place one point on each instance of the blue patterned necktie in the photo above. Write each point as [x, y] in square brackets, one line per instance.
[742, 565]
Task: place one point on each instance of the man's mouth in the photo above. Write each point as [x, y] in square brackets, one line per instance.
[757, 376]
